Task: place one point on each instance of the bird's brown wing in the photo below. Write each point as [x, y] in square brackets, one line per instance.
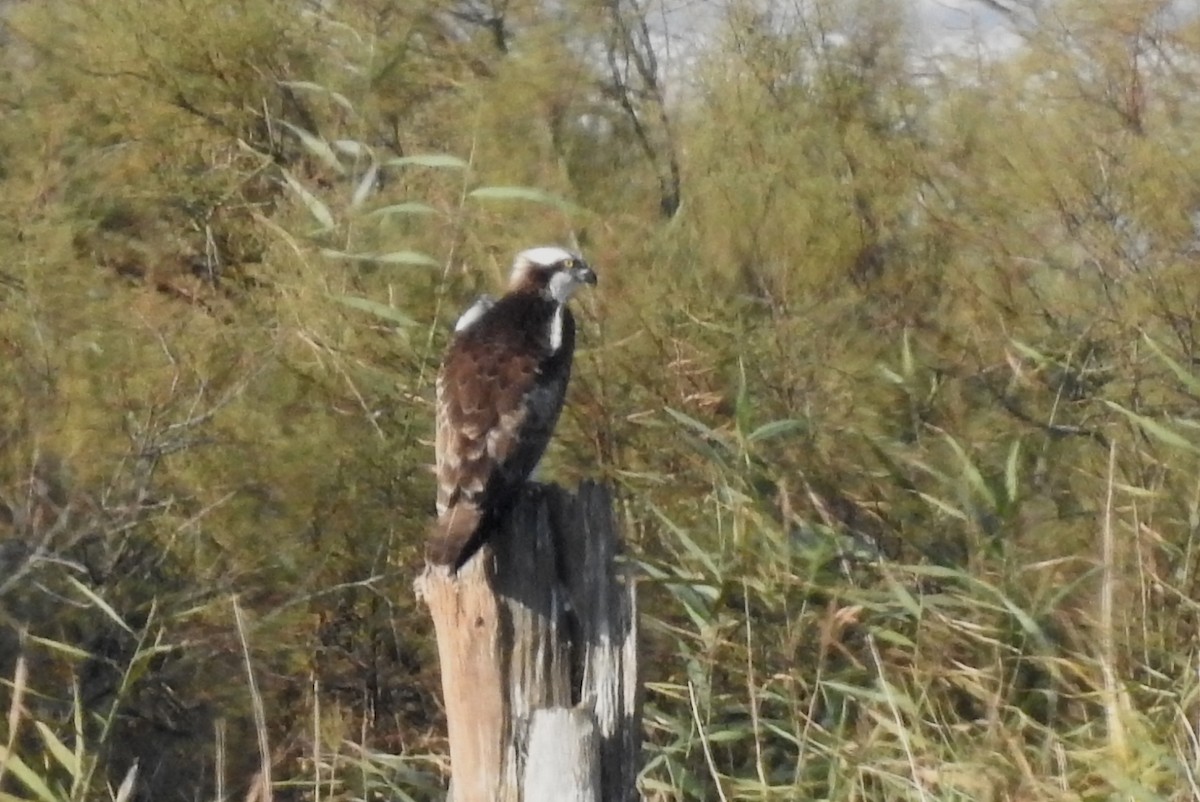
[481, 390]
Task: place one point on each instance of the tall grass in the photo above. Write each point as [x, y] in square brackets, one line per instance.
[810, 667]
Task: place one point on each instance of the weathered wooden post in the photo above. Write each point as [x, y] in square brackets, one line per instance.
[537, 643]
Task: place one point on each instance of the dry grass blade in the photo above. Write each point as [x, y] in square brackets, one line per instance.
[1113, 695]
[219, 757]
[751, 691]
[19, 686]
[901, 728]
[316, 738]
[126, 788]
[262, 785]
[708, 755]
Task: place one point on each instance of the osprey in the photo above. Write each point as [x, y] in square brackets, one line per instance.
[499, 393]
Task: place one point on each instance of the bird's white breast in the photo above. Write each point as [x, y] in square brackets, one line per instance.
[556, 329]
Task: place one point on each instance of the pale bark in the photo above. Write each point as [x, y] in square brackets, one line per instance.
[542, 619]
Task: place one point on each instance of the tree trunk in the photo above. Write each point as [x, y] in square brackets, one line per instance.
[537, 643]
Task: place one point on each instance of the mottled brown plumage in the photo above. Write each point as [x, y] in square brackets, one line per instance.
[499, 394]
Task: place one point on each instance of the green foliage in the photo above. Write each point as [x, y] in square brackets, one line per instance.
[898, 383]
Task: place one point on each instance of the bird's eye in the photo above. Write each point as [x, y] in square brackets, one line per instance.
[568, 263]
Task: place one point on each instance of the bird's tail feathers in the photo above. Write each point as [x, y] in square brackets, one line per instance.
[457, 535]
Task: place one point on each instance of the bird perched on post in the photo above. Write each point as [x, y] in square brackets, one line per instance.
[499, 393]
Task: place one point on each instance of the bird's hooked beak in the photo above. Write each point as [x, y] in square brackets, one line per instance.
[583, 274]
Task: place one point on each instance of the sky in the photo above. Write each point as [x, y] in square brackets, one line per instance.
[959, 26]
[940, 27]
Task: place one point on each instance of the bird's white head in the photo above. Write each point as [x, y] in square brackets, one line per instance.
[550, 270]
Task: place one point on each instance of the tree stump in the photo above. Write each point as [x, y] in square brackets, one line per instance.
[537, 644]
